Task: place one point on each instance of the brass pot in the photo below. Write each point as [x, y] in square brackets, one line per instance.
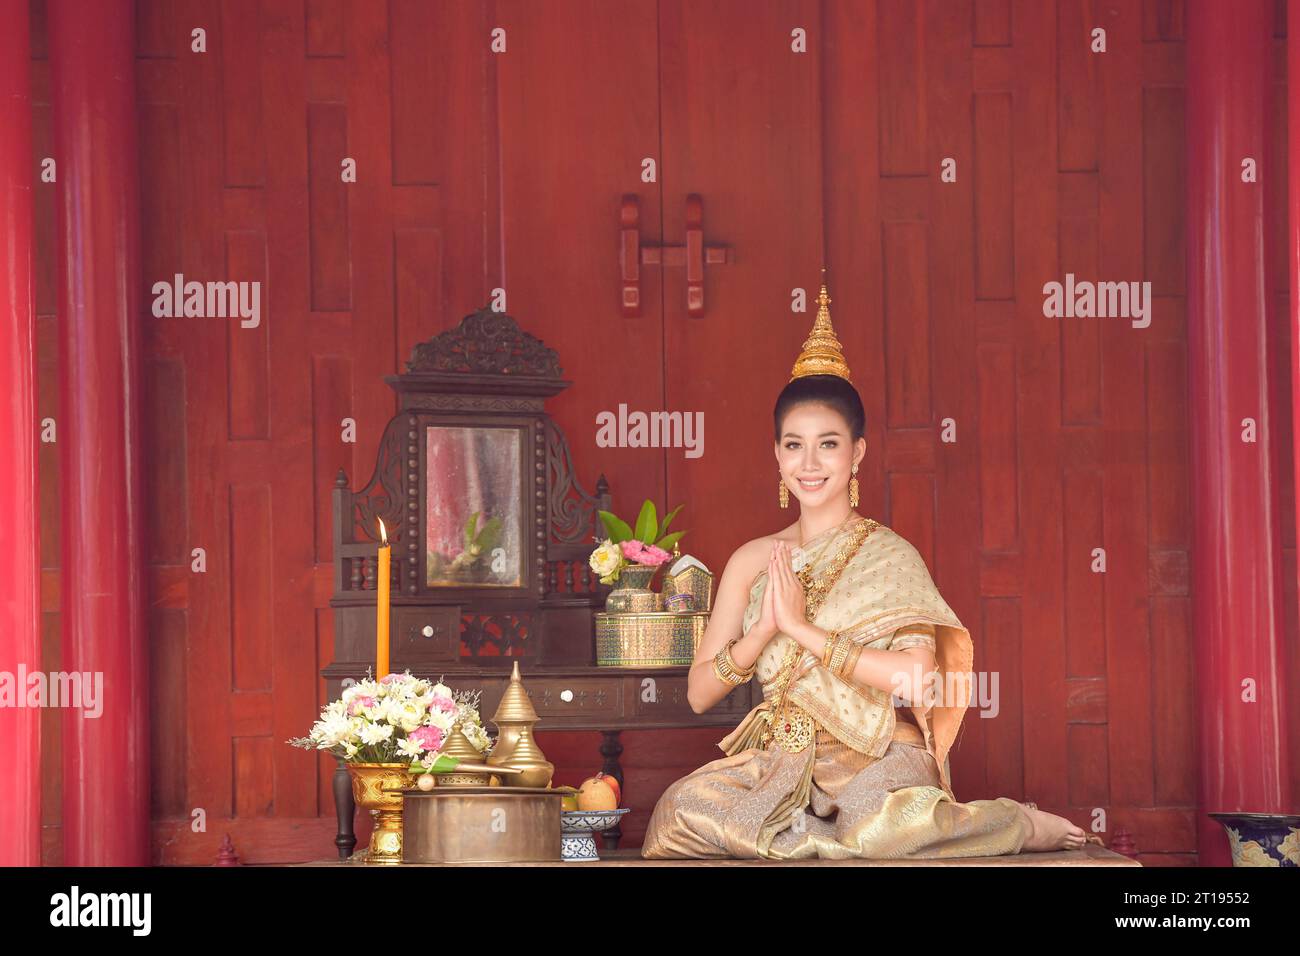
[377, 787]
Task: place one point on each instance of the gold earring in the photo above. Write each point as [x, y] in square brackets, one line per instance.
[783, 494]
[853, 488]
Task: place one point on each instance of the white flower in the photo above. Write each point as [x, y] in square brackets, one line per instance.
[376, 733]
[333, 731]
[606, 559]
[440, 719]
[350, 749]
[410, 717]
[441, 690]
[409, 748]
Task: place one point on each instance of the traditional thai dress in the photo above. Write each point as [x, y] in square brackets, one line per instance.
[870, 780]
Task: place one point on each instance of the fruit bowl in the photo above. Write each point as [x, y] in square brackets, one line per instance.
[578, 829]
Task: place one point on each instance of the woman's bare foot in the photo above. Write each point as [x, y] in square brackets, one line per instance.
[1047, 832]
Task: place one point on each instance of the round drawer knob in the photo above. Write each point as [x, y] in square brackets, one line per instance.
[566, 695]
[427, 630]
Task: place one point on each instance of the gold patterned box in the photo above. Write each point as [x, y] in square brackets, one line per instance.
[693, 580]
[658, 639]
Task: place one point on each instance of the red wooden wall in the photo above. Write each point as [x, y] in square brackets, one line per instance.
[479, 170]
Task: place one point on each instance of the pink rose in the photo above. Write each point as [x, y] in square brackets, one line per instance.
[652, 556]
[631, 549]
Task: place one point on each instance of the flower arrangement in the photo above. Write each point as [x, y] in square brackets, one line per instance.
[397, 719]
[647, 545]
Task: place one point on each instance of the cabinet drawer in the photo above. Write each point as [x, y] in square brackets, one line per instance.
[424, 635]
[575, 696]
[665, 699]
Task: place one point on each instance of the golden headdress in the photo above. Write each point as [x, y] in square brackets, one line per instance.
[822, 354]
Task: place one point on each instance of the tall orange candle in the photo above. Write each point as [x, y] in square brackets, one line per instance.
[381, 607]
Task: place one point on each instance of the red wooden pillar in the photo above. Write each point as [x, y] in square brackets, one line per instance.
[1236, 548]
[105, 758]
[20, 563]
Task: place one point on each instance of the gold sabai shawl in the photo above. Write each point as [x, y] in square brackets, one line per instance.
[884, 587]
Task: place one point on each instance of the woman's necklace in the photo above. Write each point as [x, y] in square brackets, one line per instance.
[790, 725]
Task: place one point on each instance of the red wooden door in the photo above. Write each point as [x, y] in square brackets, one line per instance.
[742, 129]
[578, 95]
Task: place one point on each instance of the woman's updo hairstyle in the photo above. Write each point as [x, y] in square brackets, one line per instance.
[830, 390]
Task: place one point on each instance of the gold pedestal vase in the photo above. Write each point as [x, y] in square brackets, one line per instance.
[377, 787]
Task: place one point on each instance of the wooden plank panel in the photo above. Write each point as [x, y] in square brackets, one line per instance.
[902, 89]
[324, 28]
[208, 771]
[1077, 118]
[1038, 395]
[415, 82]
[1172, 707]
[254, 788]
[1085, 701]
[1169, 495]
[1088, 765]
[168, 523]
[955, 375]
[907, 325]
[327, 147]
[238, 45]
[910, 449]
[1085, 591]
[370, 212]
[469, 164]
[160, 220]
[999, 480]
[1080, 337]
[1164, 253]
[1124, 402]
[1162, 20]
[998, 656]
[418, 263]
[293, 667]
[248, 346]
[252, 567]
[156, 33]
[331, 388]
[169, 734]
[911, 512]
[995, 255]
[992, 22]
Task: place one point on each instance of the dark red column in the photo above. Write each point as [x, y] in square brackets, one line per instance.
[105, 759]
[1236, 547]
[20, 562]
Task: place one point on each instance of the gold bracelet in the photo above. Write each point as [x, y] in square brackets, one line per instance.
[829, 650]
[850, 662]
[727, 670]
[842, 647]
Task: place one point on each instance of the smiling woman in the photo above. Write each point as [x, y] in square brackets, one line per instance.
[836, 615]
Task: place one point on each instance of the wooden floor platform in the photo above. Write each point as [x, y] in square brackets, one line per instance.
[1090, 855]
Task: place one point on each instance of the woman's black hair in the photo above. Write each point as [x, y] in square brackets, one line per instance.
[830, 390]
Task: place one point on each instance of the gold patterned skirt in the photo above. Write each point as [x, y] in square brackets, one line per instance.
[830, 802]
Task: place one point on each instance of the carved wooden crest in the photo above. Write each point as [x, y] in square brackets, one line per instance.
[486, 343]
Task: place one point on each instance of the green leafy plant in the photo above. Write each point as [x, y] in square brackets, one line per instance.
[649, 530]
